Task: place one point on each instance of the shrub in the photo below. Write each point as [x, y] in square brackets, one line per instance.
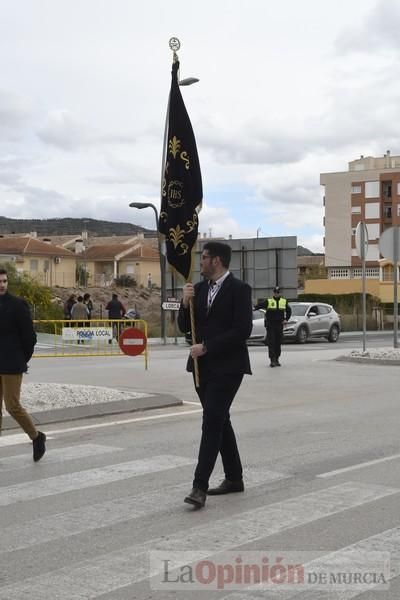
[125, 281]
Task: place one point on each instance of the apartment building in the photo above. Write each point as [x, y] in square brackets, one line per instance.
[369, 191]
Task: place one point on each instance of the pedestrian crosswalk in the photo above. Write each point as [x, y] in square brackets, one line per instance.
[80, 533]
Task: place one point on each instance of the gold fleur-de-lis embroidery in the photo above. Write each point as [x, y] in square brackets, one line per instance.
[184, 157]
[176, 235]
[174, 146]
[192, 224]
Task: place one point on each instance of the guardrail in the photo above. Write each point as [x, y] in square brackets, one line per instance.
[95, 337]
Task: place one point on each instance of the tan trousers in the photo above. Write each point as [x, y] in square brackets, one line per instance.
[10, 390]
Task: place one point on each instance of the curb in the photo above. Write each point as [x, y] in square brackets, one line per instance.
[103, 409]
[368, 361]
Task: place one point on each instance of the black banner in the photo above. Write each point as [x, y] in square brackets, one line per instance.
[182, 190]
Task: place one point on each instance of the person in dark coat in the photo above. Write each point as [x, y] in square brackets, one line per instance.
[17, 341]
[277, 314]
[116, 310]
[223, 322]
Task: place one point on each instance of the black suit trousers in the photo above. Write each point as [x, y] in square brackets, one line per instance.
[274, 339]
[216, 395]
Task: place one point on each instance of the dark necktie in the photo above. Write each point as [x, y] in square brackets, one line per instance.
[212, 291]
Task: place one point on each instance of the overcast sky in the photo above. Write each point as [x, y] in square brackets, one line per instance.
[287, 90]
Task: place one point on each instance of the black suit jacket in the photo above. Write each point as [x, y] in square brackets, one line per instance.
[224, 328]
[17, 336]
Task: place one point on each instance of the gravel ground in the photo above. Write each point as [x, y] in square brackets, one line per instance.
[36, 397]
[377, 354]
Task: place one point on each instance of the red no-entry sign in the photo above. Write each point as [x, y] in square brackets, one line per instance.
[132, 341]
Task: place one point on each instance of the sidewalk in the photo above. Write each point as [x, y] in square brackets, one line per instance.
[73, 413]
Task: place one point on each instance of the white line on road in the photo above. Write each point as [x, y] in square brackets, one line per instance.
[30, 490]
[386, 542]
[108, 513]
[108, 572]
[15, 439]
[57, 455]
[358, 466]
[20, 438]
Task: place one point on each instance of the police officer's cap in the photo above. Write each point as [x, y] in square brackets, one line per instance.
[277, 290]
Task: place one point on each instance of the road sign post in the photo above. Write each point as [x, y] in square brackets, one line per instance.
[362, 249]
[389, 248]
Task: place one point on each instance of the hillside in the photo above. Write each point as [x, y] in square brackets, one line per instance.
[68, 226]
[145, 301]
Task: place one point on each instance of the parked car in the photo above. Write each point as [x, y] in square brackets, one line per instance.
[257, 333]
[310, 320]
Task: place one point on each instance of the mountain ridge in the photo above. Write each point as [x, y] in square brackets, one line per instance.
[69, 226]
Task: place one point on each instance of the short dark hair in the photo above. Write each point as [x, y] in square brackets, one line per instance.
[223, 251]
[115, 295]
[86, 296]
[3, 272]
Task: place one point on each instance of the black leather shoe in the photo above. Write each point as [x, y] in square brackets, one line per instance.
[277, 363]
[227, 487]
[39, 446]
[197, 498]
[272, 363]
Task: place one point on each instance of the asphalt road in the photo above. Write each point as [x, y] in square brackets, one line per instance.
[320, 445]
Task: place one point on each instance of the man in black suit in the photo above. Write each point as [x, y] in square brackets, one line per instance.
[223, 322]
[17, 341]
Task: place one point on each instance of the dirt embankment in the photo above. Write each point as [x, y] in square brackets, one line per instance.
[145, 301]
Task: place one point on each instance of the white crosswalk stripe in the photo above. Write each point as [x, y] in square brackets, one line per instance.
[387, 541]
[87, 518]
[57, 455]
[89, 478]
[96, 570]
[124, 567]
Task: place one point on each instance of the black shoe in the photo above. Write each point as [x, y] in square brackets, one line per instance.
[197, 498]
[277, 363]
[39, 446]
[227, 487]
[272, 363]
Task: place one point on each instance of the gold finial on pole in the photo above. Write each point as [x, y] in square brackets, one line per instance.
[174, 44]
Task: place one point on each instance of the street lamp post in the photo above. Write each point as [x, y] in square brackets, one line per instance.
[141, 205]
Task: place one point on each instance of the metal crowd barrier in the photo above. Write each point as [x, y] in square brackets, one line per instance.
[95, 337]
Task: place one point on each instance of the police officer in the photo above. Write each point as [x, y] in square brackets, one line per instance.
[278, 313]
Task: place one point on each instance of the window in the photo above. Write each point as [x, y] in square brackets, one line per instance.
[130, 269]
[339, 273]
[373, 231]
[33, 264]
[370, 273]
[387, 189]
[323, 310]
[356, 189]
[46, 266]
[398, 210]
[372, 189]
[387, 212]
[356, 210]
[372, 210]
[373, 252]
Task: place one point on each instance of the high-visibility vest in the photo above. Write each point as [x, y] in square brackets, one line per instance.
[272, 304]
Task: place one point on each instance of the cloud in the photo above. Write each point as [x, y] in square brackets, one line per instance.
[378, 30]
[14, 113]
[65, 131]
